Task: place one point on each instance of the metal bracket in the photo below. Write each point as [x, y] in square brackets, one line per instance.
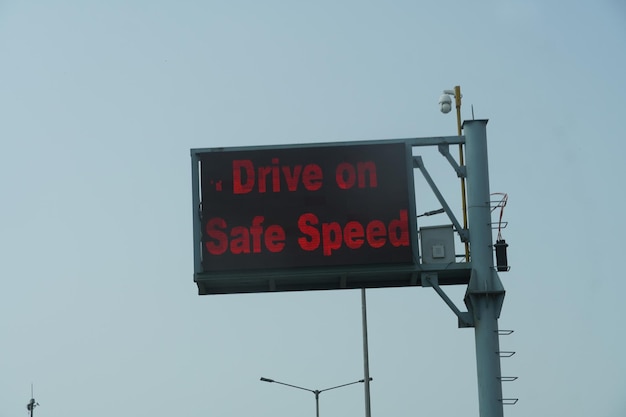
[432, 280]
[343, 280]
[509, 401]
[491, 289]
[444, 149]
[463, 233]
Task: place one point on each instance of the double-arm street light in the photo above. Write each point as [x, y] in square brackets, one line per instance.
[315, 392]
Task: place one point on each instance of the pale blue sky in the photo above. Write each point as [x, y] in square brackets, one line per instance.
[101, 102]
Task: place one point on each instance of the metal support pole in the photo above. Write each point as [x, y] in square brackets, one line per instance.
[485, 292]
[457, 100]
[366, 364]
[317, 403]
[32, 403]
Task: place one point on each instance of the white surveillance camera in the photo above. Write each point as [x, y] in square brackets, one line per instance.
[445, 103]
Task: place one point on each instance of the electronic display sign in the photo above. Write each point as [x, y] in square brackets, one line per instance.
[296, 216]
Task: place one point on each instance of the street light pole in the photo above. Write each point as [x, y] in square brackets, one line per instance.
[317, 404]
[315, 392]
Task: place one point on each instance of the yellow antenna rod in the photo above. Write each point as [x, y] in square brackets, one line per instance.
[457, 97]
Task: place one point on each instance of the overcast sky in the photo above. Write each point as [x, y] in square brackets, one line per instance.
[100, 103]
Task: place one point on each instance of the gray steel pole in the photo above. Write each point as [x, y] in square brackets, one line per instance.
[366, 361]
[317, 403]
[485, 292]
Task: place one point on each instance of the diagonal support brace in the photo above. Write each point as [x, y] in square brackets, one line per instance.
[431, 280]
[419, 163]
[444, 149]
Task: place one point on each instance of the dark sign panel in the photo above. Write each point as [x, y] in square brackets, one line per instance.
[285, 218]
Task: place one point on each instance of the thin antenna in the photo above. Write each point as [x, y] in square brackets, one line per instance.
[473, 112]
[32, 403]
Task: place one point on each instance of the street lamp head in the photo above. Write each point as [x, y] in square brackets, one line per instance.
[266, 379]
[445, 103]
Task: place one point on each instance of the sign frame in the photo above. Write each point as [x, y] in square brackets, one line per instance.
[315, 277]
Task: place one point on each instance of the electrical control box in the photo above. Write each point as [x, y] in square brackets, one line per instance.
[437, 244]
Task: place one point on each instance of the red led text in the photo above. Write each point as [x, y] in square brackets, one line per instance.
[243, 239]
[332, 236]
[347, 175]
[268, 178]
